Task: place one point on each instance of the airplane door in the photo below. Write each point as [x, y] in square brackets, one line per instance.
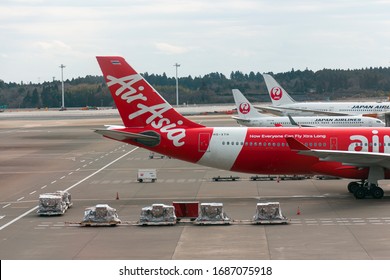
[333, 143]
[204, 142]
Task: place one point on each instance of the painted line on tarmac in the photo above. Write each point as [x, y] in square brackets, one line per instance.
[71, 187]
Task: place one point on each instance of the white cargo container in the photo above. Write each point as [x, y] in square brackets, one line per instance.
[147, 175]
[54, 203]
[212, 214]
[157, 214]
[100, 215]
[269, 213]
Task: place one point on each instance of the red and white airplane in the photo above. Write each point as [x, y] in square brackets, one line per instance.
[152, 123]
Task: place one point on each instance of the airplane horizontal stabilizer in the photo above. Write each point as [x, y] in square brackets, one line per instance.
[122, 135]
[241, 119]
[270, 110]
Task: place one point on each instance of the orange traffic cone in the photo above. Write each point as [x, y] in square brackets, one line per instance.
[117, 196]
[298, 211]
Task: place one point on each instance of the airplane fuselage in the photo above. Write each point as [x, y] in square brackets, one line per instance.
[347, 108]
[265, 150]
[318, 121]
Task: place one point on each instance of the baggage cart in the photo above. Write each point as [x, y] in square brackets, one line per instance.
[212, 214]
[186, 210]
[269, 213]
[225, 178]
[54, 203]
[157, 214]
[100, 215]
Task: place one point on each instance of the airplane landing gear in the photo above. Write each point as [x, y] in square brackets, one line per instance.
[353, 186]
[376, 192]
[361, 190]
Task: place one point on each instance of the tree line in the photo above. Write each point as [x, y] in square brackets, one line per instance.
[307, 85]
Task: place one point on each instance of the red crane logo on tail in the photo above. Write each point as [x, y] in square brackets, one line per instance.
[244, 108]
[276, 93]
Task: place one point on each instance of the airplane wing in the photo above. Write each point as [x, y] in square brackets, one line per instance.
[360, 159]
[280, 111]
[241, 119]
[123, 135]
[294, 123]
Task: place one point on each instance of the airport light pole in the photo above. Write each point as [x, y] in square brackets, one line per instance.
[62, 85]
[177, 85]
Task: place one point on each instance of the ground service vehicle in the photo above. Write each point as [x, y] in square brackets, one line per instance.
[146, 175]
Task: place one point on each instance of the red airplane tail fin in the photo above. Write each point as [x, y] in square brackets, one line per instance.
[138, 102]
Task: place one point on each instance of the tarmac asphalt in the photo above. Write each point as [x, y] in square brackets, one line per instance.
[45, 154]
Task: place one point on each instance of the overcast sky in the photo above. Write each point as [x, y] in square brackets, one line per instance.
[203, 36]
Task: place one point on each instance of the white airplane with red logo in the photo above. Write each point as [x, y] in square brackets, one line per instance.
[152, 123]
[283, 103]
[249, 116]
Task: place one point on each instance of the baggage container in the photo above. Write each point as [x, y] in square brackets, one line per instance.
[269, 213]
[157, 214]
[100, 215]
[212, 214]
[54, 203]
[186, 209]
